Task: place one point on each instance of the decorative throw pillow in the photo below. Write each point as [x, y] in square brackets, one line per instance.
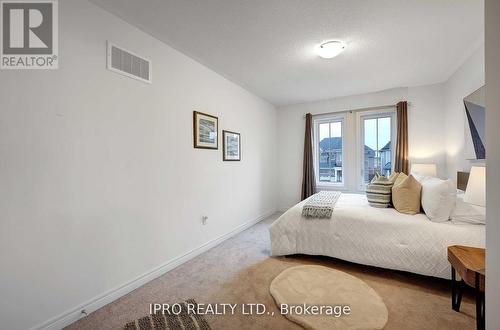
[421, 177]
[401, 176]
[378, 192]
[438, 198]
[406, 194]
[394, 176]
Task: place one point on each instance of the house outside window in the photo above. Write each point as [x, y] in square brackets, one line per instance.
[377, 136]
[328, 151]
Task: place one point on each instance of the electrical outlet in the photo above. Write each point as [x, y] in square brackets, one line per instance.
[204, 219]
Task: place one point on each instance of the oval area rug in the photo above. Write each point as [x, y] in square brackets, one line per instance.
[322, 286]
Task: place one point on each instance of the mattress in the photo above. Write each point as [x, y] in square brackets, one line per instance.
[372, 236]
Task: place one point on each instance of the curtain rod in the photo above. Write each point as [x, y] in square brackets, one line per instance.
[356, 110]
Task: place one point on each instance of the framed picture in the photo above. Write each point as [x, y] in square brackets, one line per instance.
[205, 128]
[475, 133]
[231, 146]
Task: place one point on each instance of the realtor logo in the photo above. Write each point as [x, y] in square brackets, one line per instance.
[29, 36]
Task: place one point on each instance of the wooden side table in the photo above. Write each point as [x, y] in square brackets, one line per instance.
[469, 263]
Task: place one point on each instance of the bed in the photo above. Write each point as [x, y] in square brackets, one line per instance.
[372, 236]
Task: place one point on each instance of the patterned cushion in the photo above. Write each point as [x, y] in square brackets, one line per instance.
[378, 192]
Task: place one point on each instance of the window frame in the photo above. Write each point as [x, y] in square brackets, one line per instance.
[360, 159]
[322, 120]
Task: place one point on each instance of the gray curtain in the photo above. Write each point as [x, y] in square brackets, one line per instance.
[401, 159]
[308, 179]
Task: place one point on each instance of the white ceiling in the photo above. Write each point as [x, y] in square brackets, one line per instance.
[267, 46]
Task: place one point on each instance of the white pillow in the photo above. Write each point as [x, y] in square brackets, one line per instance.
[438, 198]
[421, 177]
[468, 213]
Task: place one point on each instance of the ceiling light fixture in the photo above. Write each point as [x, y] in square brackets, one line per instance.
[330, 49]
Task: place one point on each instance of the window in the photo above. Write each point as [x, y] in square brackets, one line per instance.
[328, 151]
[350, 147]
[377, 145]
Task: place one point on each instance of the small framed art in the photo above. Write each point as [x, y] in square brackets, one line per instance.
[205, 128]
[231, 146]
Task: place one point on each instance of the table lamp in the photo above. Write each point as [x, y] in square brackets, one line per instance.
[475, 193]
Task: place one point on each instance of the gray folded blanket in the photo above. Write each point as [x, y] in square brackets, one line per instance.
[320, 205]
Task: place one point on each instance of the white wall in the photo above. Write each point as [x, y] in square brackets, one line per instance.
[493, 164]
[426, 117]
[425, 126]
[466, 79]
[100, 182]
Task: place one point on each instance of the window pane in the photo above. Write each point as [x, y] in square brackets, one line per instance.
[384, 145]
[324, 131]
[370, 136]
[330, 152]
[377, 147]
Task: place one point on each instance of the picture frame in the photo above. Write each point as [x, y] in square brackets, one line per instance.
[475, 125]
[231, 146]
[205, 131]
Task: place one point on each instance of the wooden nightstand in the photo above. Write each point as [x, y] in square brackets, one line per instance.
[468, 262]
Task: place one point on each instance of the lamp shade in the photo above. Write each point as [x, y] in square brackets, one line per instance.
[475, 193]
[424, 169]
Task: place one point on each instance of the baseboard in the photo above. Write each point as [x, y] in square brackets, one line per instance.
[94, 304]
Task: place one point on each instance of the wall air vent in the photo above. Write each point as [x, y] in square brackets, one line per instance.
[128, 64]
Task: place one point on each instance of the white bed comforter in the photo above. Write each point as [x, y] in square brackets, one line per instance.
[372, 236]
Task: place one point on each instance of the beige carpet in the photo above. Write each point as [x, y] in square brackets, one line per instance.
[357, 305]
[240, 271]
